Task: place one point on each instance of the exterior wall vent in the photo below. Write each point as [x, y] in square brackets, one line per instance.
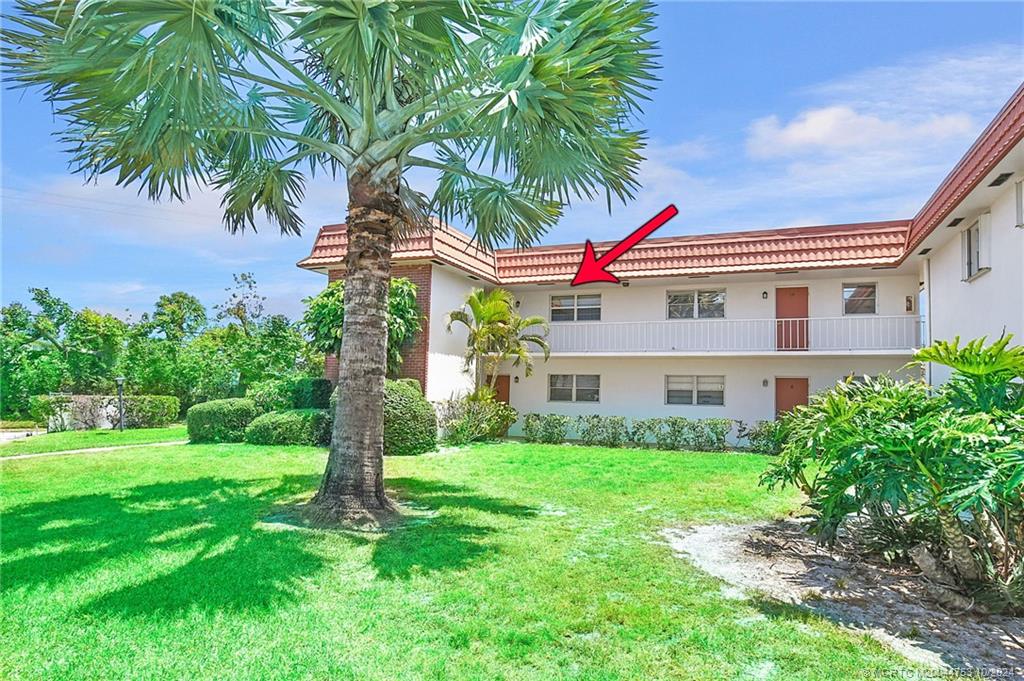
[1000, 179]
[955, 222]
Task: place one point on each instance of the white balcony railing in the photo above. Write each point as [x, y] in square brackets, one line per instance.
[828, 334]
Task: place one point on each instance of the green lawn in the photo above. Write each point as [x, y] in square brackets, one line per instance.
[84, 439]
[523, 562]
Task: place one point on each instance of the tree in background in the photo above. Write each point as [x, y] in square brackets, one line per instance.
[170, 351]
[324, 321]
[244, 305]
[178, 316]
[518, 106]
[497, 333]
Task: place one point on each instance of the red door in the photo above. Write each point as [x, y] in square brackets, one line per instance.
[789, 392]
[501, 386]
[791, 318]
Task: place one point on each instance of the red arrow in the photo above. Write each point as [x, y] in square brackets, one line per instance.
[592, 268]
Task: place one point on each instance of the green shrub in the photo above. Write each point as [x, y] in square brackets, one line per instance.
[147, 411]
[930, 476]
[589, 428]
[273, 394]
[410, 424]
[608, 431]
[468, 420]
[711, 435]
[52, 410]
[553, 428]
[311, 393]
[220, 420]
[615, 432]
[682, 434]
[642, 431]
[531, 427]
[411, 381]
[291, 427]
[763, 437]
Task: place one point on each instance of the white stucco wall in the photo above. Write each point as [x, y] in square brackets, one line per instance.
[989, 304]
[634, 386]
[446, 374]
[646, 301]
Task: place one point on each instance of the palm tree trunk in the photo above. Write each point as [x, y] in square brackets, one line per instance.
[352, 487]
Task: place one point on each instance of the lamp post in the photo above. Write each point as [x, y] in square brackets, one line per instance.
[120, 402]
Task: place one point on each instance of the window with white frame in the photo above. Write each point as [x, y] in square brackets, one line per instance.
[700, 390]
[574, 388]
[860, 298]
[581, 308]
[972, 250]
[696, 304]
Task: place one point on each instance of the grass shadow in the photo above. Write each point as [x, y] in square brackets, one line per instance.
[454, 528]
[182, 545]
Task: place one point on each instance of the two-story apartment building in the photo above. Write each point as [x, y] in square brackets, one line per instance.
[739, 325]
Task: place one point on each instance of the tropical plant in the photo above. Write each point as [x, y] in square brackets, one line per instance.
[518, 106]
[324, 320]
[496, 333]
[896, 461]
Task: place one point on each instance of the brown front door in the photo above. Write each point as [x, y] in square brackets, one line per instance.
[789, 392]
[501, 386]
[791, 318]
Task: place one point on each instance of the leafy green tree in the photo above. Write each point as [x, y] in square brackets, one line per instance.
[178, 316]
[324, 319]
[518, 106]
[24, 369]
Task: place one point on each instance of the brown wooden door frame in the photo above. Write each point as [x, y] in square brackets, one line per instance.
[791, 313]
[806, 392]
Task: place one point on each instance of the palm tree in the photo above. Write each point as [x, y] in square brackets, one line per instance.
[497, 333]
[519, 106]
[520, 334]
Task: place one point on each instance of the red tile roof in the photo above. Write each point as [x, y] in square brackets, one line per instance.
[798, 248]
[442, 243]
[1004, 132]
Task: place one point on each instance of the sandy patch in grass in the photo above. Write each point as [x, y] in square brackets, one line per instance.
[783, 562]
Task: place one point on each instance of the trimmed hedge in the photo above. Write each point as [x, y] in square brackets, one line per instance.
[674, 432]
[273, 394]
[220, 420]
[311, 393]
[546, 428]
[410, 424]
[278, 394]
[148, 411]
[62, 412]
[291, 427]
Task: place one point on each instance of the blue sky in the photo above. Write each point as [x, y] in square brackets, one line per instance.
[767, 115]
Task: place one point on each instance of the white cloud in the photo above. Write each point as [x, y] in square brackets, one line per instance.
[840, 128]
[869, 145]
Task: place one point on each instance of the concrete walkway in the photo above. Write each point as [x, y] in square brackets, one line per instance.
[91, 450]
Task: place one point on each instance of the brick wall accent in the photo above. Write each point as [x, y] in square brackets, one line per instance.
[414, 356]
[414, 364]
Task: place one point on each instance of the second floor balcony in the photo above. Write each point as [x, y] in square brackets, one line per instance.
[867, 334]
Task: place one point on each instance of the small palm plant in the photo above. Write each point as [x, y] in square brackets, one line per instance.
[519, 106]
[497, 333]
